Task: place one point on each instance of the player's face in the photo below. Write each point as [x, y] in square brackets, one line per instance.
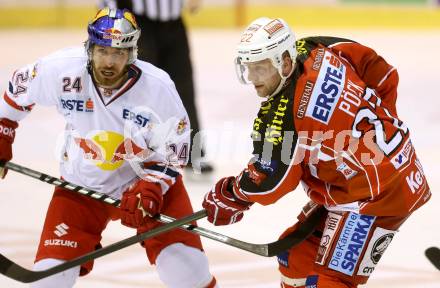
[264, 76]
[109, 65]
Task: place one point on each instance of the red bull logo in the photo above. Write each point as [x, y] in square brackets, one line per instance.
[112, 34]
[90, 149]
[34, 71]
[108, 150]
[181, 126]
[129, 150]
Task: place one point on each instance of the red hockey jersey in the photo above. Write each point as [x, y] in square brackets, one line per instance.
[335, 128]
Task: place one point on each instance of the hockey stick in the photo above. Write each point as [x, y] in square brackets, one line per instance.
[266, 250]
[16, 272]
[433, 254]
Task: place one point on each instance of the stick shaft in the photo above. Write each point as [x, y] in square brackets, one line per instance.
[61, 183]
[16, 272]
[266, 250]
[260, 250]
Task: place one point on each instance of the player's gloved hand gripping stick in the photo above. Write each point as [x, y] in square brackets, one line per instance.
[7, 135]
[16, 272]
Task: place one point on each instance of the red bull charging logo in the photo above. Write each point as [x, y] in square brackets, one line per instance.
[108, 150]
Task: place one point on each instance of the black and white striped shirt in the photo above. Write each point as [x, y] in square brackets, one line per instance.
[161, 10]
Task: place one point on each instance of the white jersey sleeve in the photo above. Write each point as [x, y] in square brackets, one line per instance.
[33, 84]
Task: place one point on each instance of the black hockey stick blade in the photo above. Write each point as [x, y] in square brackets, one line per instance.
[433, 254]
[18, 273]
[299, 235]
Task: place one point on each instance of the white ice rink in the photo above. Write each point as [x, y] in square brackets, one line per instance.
[227, 110]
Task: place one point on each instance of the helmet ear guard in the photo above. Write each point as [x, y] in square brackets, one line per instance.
[114, 28]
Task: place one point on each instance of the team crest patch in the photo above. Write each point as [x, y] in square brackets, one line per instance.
[34, 71]
[379, 242]
[181, 126]
[273, 26]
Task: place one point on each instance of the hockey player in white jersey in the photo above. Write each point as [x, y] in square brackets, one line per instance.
[126, 135]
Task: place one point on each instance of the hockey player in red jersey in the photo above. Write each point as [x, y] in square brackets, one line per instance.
[127, 135]
[328, 120]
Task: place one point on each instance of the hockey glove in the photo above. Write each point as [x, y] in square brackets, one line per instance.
[7, 135]
[140, 202]
[222, 206]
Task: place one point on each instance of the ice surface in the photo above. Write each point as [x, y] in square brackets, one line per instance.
[227, 110]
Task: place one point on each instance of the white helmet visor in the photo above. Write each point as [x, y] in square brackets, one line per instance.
[240, 69]
[256, 73]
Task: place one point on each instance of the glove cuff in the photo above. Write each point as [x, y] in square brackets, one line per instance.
[232, 188]
[7, 129]
[152, 191]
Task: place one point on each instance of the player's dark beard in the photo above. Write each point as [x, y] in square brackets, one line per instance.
[101, 81]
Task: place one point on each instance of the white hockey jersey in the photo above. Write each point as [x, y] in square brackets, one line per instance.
[142, 130]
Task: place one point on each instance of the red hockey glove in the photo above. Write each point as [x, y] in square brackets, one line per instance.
[222, 206]
[7, 135]
[140, 202]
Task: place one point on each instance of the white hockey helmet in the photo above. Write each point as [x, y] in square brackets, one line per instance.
[265, 38]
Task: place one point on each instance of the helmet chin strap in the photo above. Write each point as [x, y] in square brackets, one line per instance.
[282, 82]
